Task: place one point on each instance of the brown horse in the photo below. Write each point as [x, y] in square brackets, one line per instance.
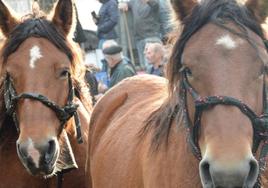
[194, 131]
[44, 102]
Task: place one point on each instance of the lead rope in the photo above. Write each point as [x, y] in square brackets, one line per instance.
[59, 180]
[76, 116]
[264, 149]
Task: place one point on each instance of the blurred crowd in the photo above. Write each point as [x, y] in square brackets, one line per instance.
[146, 27]
[150, 21]
[131, 39]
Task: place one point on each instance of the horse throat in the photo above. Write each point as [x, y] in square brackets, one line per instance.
[66, 160]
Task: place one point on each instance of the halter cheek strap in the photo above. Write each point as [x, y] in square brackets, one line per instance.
[63, 113]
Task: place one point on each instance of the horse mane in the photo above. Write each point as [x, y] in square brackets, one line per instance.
[42, 28]
[208, 11]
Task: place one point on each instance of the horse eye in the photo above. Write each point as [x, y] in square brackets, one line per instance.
[188, 72]
[64, 73]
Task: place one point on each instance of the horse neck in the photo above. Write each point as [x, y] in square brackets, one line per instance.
[83, 96]
[84, 111]
[87, 103]
[174, 158]
[181, 150]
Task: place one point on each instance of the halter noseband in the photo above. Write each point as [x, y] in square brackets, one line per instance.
[63, 113]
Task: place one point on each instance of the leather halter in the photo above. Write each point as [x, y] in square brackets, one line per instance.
[259, 123]
[63, 113]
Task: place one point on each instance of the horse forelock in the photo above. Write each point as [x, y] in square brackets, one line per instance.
[36, 27]
[209, 11]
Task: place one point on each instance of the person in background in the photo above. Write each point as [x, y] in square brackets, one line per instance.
[35, 8]
[106, 21]
[146, 24]
[165, 19]
[36, 12]
[92, 83]
[119, 68]
[79, 35]
[154, 53]
[110, 43]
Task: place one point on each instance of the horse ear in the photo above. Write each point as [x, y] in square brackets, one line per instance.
[183, 8]
[64, 16]
[7, 21]
[259, 8]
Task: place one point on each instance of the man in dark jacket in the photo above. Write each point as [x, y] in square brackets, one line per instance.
[92, 83]
[79, 35]
[106, 21]
[119, 67]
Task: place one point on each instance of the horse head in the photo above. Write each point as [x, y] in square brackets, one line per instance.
[220, 59]
[38, 70]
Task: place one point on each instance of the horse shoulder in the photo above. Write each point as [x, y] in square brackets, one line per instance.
[102, 113]
[127, 93]
[118, 118]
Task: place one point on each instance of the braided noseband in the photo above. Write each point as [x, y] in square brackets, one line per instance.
[63, 113]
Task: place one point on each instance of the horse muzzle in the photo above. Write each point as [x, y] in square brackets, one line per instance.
[38, 158]
[243, 174]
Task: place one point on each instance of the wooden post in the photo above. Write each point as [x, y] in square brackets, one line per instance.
[130, 46]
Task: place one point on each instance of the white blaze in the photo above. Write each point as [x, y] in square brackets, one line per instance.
[227, 42]
[35, 54]
[33, 153]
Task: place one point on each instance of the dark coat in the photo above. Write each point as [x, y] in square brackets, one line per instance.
[108, 19]
[158, 72]
[121, 71]
[79, 35]
[145, 18]
[92, 82]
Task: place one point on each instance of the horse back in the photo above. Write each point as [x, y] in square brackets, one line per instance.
[116, 122]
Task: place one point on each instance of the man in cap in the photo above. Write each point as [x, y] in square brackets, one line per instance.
[119, 67]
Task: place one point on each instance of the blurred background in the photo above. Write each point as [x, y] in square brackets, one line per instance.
[84, 8]
[124, 28]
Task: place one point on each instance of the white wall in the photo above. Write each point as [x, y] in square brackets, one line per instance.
[20, 6]
[85, 7]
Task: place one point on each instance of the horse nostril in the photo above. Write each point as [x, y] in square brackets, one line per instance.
[205, 174]
[50, 151]
[253, 173]
[22, 150]
[51, 147]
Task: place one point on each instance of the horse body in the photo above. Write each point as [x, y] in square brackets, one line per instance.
[193, 131]
[44, 102]
[136, 166]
